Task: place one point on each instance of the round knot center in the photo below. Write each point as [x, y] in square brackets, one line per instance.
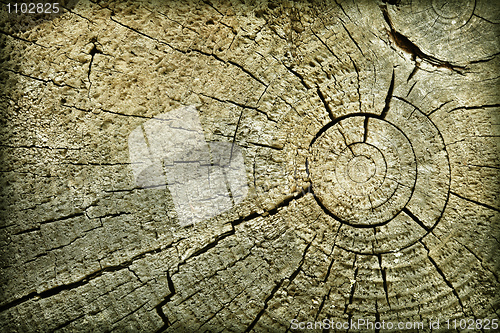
[361, 168]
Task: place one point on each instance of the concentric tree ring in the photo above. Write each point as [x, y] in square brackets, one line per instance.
[386, 173]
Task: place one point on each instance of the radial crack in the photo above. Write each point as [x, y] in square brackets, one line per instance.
[408, 46]
[81, 282]
[383, 273]
[130, 313]
[495, 275]
[92, 53]
[325, 104]
[443, 276]
[388, 97]
[247, 72]
[353, 289]
[240, 105]
[359, 82]
[67, 323]
[159, 307]
[355, 43]
[353, 286]
[377, 315]
[345, 141]
[416, 219]
[438, 108]
[297, 74]
[475, 202]
[45, 81]
[333, 259]
[322, 304]
[22, 39]
[409, 103]
[365, 127]
[475, 107]
[296, 272]
[234, 136]
[261, 312]
[326, 45]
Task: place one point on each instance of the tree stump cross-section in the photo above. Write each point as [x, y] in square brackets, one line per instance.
[233, 166]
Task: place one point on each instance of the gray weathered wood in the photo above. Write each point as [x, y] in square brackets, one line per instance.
[370, 139]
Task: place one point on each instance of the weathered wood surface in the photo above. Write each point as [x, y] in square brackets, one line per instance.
[370, 139]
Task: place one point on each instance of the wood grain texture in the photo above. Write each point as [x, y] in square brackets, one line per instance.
[369, 134]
